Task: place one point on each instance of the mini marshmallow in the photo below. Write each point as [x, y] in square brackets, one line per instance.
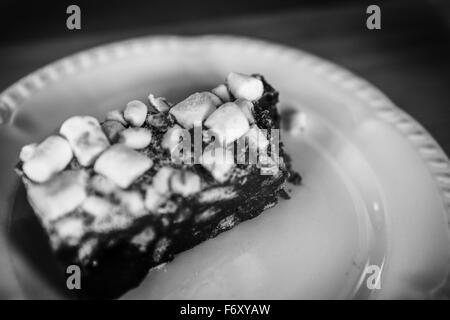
[103, 184]
[195, 108]
[257, 140]
[86, 249]
[185, 183]
[116, 115]
[27, 151]
[161, 179]
[217, 194]
[247, 108]
[172, 137]
[98, 207]
[135, 113]
[114, 221]
[48, 158]
[160, 104]
[218, 161]
[267, 165]
[153, 199]
[70, 229]
[244, 86]
[136, 138]
[228, 122]
[112, 129]
[86, 138]
[142, 239]
[222, 92]
[132, 202]
[122, 165]
[59, 196]
[296, 123]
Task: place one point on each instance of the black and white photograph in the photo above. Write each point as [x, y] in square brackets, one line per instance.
[226, 155]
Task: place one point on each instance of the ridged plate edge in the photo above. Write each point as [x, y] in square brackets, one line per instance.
[432, 154]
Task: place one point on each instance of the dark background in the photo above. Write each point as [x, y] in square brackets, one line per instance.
[408, 58]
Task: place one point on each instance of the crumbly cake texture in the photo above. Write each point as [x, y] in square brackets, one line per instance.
[113, 200]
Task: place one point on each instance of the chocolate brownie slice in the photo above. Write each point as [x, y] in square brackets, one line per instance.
[120, 197]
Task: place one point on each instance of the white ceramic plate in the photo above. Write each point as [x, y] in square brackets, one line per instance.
[376, 186]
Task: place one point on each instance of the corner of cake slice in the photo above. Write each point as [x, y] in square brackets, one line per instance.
[120, 197]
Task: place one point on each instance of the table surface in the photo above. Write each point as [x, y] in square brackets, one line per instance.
[408, 59]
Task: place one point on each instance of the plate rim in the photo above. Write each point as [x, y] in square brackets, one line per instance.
[432, 154]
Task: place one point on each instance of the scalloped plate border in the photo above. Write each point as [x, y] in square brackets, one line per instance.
[432, 154]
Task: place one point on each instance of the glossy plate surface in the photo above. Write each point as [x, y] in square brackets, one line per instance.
[375, 194]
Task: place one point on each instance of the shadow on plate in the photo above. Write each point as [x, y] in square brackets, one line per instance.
[33, 260]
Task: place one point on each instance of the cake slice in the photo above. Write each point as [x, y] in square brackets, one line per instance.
[120, 197]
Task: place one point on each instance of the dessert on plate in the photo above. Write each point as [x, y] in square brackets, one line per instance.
[122, 196]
